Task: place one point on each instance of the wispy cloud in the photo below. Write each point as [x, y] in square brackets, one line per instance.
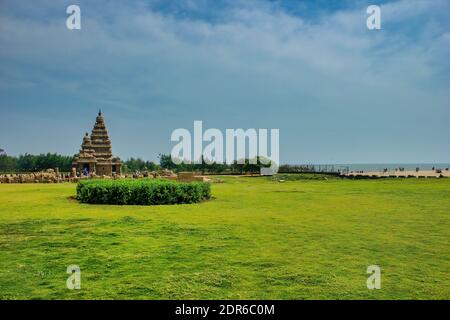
[229, 62]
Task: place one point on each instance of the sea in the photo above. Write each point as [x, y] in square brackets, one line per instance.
[374, 167]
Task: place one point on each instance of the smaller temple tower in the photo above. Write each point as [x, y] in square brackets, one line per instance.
[95, 156]
[85, 160]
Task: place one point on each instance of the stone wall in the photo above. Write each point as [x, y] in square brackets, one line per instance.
[53, 176]
[49, 176]
[190, 176]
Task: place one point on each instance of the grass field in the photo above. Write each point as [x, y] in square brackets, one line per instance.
[257, 239]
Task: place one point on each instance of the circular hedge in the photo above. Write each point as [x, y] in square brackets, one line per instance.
[141, 192]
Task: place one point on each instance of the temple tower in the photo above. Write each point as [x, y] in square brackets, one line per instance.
[85, 160]
[96, 153]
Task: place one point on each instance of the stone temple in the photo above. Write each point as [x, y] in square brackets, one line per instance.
[95, 156]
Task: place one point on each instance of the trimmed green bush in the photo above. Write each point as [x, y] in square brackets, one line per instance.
[141, 192]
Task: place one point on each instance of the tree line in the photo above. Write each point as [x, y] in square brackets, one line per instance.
[33, 163]
[133, 165]
[214, 168]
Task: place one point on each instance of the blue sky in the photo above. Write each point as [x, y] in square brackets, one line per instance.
[339, 93]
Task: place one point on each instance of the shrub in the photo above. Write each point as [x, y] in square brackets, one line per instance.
[141, 192]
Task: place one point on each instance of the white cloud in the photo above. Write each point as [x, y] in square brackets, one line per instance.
[253, 57]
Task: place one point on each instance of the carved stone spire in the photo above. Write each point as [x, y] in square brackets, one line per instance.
[96, 154]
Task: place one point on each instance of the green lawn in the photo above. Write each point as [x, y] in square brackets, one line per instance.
[257, 239]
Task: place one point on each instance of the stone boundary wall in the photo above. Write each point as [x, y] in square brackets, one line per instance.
[49, 176]
[53, 176]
